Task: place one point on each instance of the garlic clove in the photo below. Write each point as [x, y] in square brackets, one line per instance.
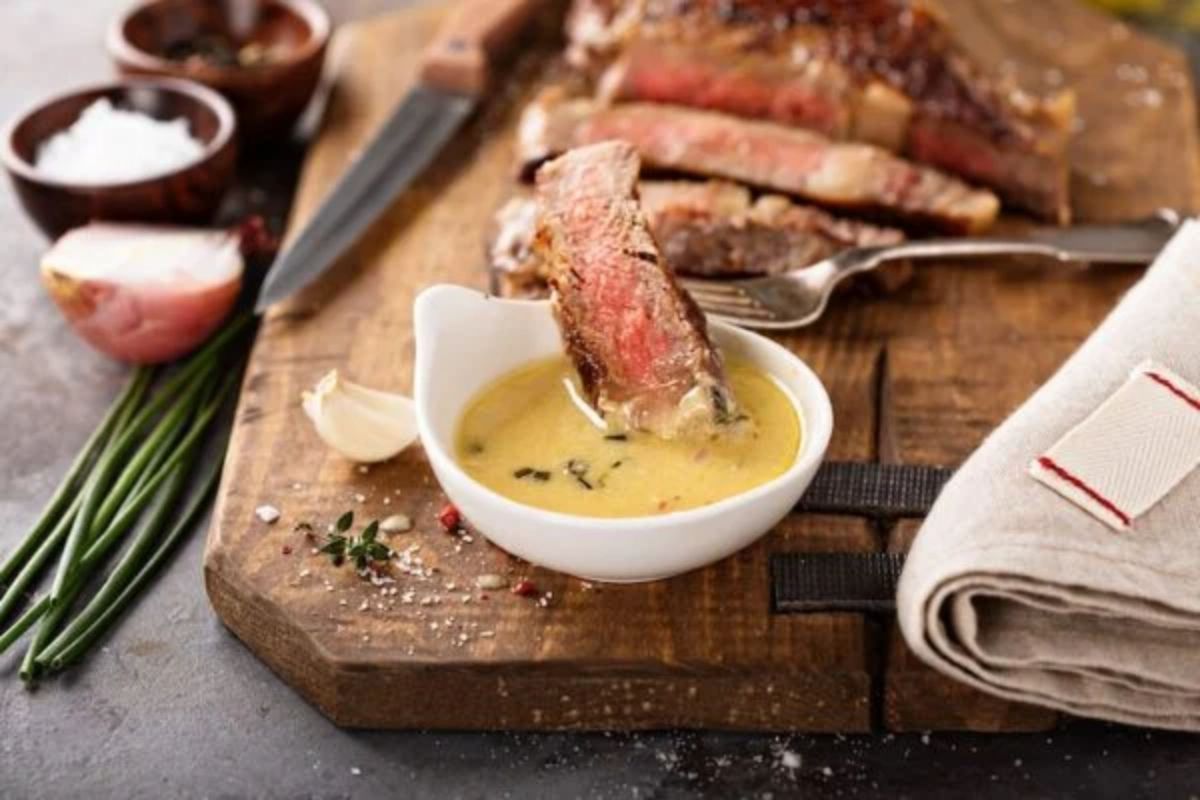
[363, 424]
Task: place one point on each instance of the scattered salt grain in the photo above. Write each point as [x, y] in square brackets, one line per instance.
[267, 514]
[490, 580]
[107, 144]
[1132, 73]
[1151, 98]
[790, 760]
[396, 523]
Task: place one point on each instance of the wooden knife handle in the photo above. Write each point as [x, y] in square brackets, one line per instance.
[478, 33]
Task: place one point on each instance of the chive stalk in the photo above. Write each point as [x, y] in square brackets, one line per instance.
[199, 363]
[136, 466]
[97, 618]
[106, 492]
[97, 550]
[149, 528]
[81, 570]
[110, 426]
[24, 622]
[34, 564]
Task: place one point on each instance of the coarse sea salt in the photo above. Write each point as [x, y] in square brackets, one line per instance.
[113, 145]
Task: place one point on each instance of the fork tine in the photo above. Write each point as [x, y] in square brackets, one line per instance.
[711, 288]
[742, 315]
[733, 299]
[739, 311]
[728, 299]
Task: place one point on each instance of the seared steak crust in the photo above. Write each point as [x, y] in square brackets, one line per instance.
[715, 229]
[638, 341]
[883, 71]
[794, 161]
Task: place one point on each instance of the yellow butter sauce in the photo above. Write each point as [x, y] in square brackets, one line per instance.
[524, 437]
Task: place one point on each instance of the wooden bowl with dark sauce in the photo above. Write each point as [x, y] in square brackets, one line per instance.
[188, 194]
[265, 56]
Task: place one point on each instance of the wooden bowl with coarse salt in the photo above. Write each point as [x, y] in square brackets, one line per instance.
[107, 173]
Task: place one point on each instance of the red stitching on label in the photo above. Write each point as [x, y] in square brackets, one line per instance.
[1048, 463]
[1175, 390]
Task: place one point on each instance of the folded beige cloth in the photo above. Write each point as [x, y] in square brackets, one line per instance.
[1021, 593]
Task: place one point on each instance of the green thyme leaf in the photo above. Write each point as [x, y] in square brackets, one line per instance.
[335, 545]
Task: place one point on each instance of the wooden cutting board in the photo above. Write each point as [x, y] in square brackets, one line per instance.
[919, 377]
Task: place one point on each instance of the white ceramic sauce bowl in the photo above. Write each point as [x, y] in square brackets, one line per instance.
[466, 340]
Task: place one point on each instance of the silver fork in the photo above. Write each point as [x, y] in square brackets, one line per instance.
[799, 297]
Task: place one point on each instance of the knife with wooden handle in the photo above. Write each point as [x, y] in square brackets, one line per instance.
[456, 71]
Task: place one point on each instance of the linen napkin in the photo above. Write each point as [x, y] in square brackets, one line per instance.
[1017, 583]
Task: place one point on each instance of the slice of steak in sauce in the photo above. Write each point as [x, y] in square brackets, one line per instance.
[887, 72]
[638, 341]
[838, 175]
[711, 229]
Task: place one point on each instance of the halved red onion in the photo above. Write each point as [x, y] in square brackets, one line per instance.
[144, 294]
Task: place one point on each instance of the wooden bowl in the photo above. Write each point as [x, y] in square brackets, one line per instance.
[189, 194]
[267, 96]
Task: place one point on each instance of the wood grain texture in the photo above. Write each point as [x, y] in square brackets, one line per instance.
[919, 376]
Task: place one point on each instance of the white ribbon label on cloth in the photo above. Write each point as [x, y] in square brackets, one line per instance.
[1131, 451]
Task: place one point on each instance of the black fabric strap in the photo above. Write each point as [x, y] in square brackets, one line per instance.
[807, 582]
[874, 490]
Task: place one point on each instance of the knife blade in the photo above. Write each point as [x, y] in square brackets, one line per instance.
[455, 72]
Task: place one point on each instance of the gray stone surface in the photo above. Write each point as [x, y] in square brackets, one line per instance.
[173, 706]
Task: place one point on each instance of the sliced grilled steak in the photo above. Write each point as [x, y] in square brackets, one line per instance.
[707, 229]
[715, 229]
[638, 341]
[882, 71]
[795, 161]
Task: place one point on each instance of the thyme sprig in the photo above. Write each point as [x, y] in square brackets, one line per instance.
[364, 549]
